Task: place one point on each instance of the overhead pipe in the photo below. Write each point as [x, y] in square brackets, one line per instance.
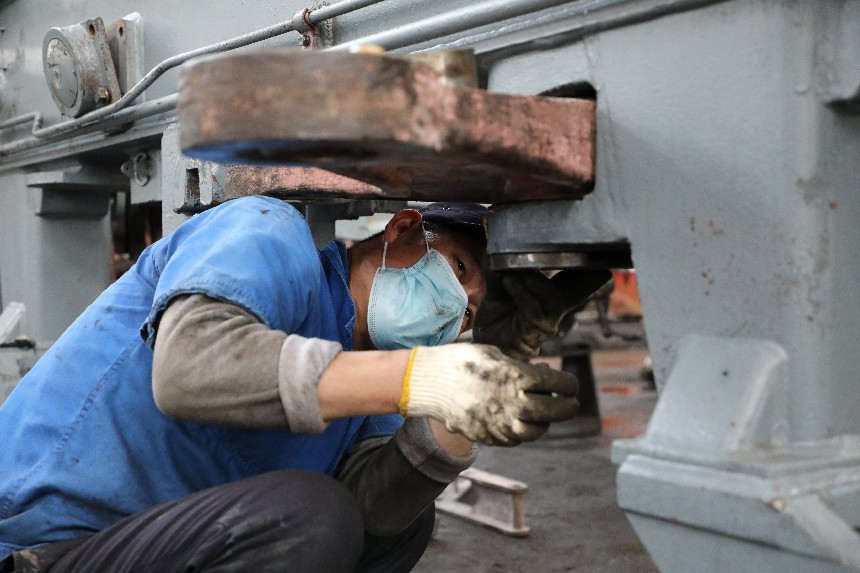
[451, 22]
[589, 23]
[493, 11]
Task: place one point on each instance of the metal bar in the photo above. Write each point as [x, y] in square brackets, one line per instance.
[466, 144]
[33, 116]
[824, 525]
[317, 15]
[498, 10]
[129, 115]
[451, 22]
[146, 132]
[592, 20]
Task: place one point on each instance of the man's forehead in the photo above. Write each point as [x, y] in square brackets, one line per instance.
[464, 243]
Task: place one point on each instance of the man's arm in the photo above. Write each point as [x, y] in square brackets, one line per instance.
[352, 374]
[215, 363]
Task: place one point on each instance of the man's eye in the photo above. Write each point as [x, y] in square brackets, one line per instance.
[460, 266]
[468, 313]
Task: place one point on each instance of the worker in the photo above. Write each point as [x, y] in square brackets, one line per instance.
[240, 401]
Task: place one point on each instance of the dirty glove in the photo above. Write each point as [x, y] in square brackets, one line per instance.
[479, 392]
[523, 309]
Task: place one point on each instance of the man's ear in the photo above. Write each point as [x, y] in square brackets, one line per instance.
[401, 223]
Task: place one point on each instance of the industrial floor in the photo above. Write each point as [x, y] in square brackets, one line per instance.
[575, 524]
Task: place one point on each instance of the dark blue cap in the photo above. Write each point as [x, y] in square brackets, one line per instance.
[467, 218]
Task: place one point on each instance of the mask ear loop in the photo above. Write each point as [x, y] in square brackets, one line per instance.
[426, 240]
[385, 244]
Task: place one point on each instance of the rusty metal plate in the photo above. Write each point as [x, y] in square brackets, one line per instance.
[388, 122]
[290, 182]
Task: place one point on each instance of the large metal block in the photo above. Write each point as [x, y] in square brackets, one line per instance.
[393, 123]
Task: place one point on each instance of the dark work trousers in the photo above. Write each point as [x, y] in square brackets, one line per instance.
[287, 521]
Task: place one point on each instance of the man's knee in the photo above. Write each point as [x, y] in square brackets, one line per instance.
[293, 517]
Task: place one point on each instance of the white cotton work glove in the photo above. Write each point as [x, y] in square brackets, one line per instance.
[479, 392]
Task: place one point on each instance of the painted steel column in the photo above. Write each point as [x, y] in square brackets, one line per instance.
[727, 154]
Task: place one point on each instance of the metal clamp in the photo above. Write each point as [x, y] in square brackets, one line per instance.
[302, 24]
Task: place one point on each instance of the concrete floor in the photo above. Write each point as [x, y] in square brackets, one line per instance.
[575, 523]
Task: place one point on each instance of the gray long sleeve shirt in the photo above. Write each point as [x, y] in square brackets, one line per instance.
[216, 363]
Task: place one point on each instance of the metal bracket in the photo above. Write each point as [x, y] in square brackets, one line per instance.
[498, 502]
[75, 190]
[125, 38]
[144, 174]
[9, 319]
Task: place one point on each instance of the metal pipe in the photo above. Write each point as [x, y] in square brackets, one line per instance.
[591, 20]
[322, 13]
[497, 10]
[125, 116]
[451, 23]
[101, 114]
[35, 116]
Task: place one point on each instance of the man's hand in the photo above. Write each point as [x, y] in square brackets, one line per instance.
[522, 310]
[477, 391]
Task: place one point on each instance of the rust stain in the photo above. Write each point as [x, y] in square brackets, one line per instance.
[621, 390]
[716, 231]
[619, 426]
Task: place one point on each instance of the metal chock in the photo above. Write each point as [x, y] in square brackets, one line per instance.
[487, 499]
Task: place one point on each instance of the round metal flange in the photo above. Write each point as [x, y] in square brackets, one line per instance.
[73, 68]
[560, 260]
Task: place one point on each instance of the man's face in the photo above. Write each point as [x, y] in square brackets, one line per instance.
[462, 253]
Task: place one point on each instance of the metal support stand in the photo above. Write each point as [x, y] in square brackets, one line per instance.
[716, 473]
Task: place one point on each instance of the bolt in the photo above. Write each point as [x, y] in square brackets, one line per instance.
[778, 504]
[104, 94]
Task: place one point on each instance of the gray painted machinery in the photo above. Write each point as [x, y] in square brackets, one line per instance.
[714, 145]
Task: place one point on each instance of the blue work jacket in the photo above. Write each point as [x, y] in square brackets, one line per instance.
[83, 443]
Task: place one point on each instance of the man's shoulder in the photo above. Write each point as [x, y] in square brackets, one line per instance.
[257, 218]
[262, 205]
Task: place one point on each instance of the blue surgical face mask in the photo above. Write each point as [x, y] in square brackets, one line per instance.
[422, 305]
